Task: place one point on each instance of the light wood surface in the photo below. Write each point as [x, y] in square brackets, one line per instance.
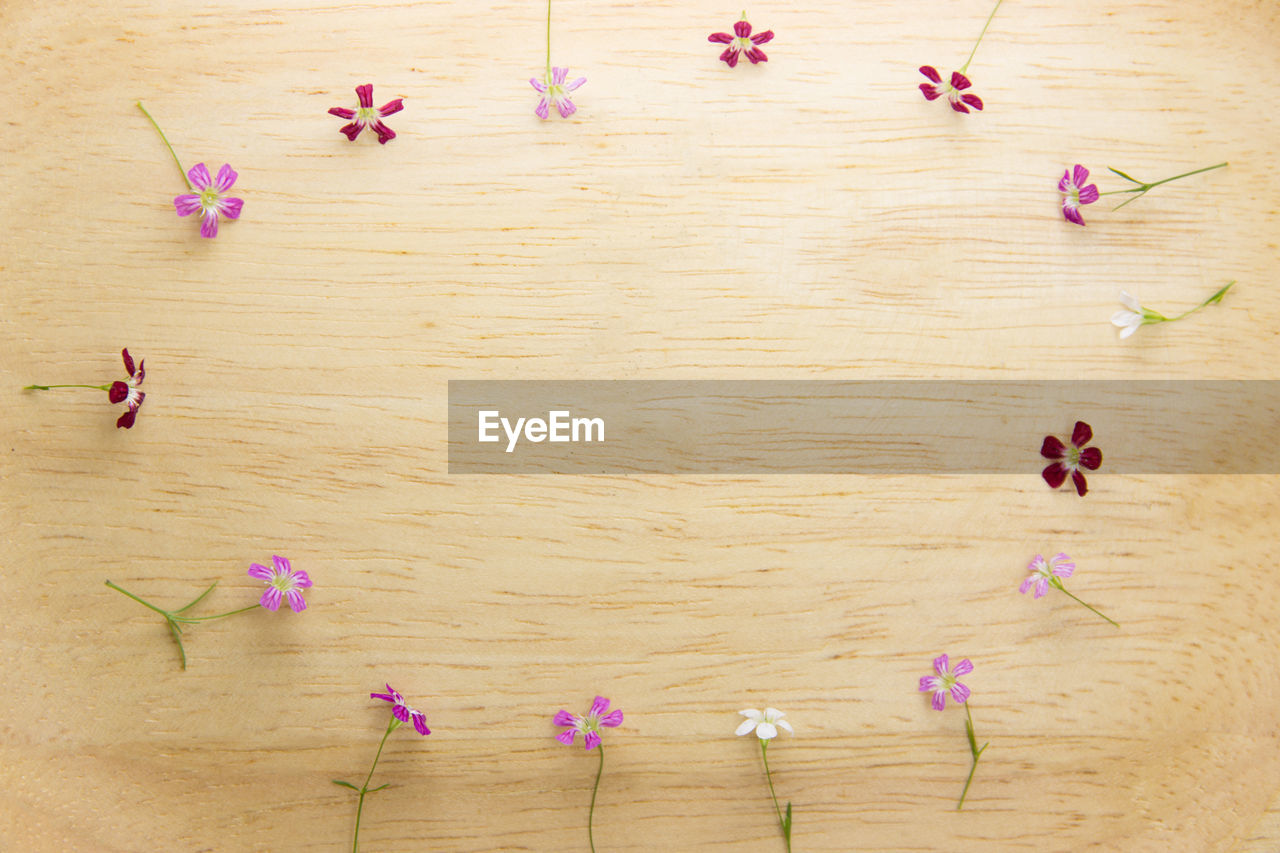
[810, 218]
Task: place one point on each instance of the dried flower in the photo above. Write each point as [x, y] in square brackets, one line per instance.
[1069, 460]
[1135, 315]
[555, 92]
[210, 202]
[1047, 573]
[402, 711]
[117, 392]
[1075, 192]
[282, 579]
[946, 682]
[589, 725]
[958, 83]
[766, 723]
[742, 42]
[367, 115]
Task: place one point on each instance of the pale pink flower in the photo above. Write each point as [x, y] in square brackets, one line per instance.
[282, 580]
[210, 200]
[1042, 570]
[598, 716]
[946, 682]
[555, 92]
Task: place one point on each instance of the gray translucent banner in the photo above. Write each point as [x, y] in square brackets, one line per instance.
[861, 427]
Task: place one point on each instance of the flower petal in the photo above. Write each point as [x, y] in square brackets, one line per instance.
[209, 227]
[958, 106]
[1071, 213]
[1053, 448]
[575, 84]
[199, 176]
[351, 131]
[1081, 486]
[400, 711]
[930, 93]
[565, 106]
[117, 392]
[929, 682]
[226, 178]
[761, 38]
[562, 718]
[542, 109]
[1091, 458]
[611, 720]
[365, 95]
[296, 601]
[420, 723]
[599, 707]
[720, 38]
[941, 664]
[391, 107]
[766, 731]
[302, 580]
[1081, 434]
[756, 55]
[186, 204]
[342, 112]
[963, 668]
[128, 361]
[939, 700]
[1079, 174]
[1042, 587]
[783, 724]
[591, 740]
[931, 72]
[742, 29]
[260, 572]
[730, 56]
[1026, 584]
[559, 75]
[566, 736]
[385, 134]
[1131, 302]
[959, 82]
[973, 101]
[959, 692]
[270, 598]
[1064, 184]
[1089, 194]
[744, 727]
[1055, 475]
[125, 421]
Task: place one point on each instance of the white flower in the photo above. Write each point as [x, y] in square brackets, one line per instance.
[1128, 320]
[766, 723]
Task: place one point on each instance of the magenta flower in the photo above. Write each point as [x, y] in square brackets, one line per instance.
[742, 41]
[210, 201]
[403, 712]
[1069, 460]
[1042, 571]
[945, 682]
[1075, 192]
[282, 579]
[367, 115]
[127, 392]
[598, 716]
[935, 89]
[555, 92]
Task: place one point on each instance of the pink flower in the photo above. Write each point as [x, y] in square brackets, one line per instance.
[368, 115]
[1069, 460]
[281, 580]
[127, 392]
[210, 201]
[1043, 571]
[946, 682]
[742, 42]
[598, 716]
[555, 91]
[403, 712]
[935, 89]
[1075, 193]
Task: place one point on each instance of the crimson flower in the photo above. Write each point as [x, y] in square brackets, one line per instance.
[127, 392]
[935, 89]
[742, 41]
[1070, 459]
[368, 115]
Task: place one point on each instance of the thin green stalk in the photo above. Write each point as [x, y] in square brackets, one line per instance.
[974, 750]
[49, 387]
[1059, 585]
[1142, 189]
[165, 139]
[783, 824]
[964, 67]
[364, 789]
[219, 616]
[1212, 300]
[591, 813]
[175, 621]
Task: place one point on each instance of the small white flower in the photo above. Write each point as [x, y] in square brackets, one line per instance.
[766, 723]
[1130, 319]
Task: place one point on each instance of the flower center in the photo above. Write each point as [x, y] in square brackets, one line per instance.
[282, 581]
[208, 197]
[367, 114]
[743, 43]
[1073, 456]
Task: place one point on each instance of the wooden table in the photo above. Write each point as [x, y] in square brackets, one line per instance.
[813, 217]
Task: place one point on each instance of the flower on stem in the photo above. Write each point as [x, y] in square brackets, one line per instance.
[282, 579]
[946, 682]
[400, 713]
[211, 202]
[1076, 192]
[742, 42]
[589, 725]
[953, 90]
[1135, 315]
[1046, 573]
[555, 92]
[367, 115]
[117, 392]
[1068, 460]
[766, 724]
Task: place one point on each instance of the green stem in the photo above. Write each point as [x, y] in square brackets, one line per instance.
[1143, 188]
[964, 67]
[211, 618]
[548, 42]
[1058, 583]
[974, 750]
[782, 824]
[49, 387]
[1212, 300]
[364, 789]
[147, 604]
[165, 139]
[591, 812]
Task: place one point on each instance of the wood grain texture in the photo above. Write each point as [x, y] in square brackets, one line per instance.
[812, 218]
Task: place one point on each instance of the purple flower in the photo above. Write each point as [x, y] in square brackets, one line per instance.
[555, 92]
[368, 115]
[1069, 460]
[742, 41]
[1075, 193]
[209, 201]
[598, 716]
[935, 89]
[403, 712]
[127, 392]
[281, 580]
[946, 682]
[1042, 571]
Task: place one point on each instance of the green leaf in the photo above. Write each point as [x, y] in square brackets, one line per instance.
[1217, 297]
[379, 788]
[786, 823]
[344, 784]
[1126, 177]
[1130, 200]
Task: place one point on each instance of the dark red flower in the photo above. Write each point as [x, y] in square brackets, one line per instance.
[1070, 459]
[742, 42]
[127, 392]
[936, 89]
[368, 115]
